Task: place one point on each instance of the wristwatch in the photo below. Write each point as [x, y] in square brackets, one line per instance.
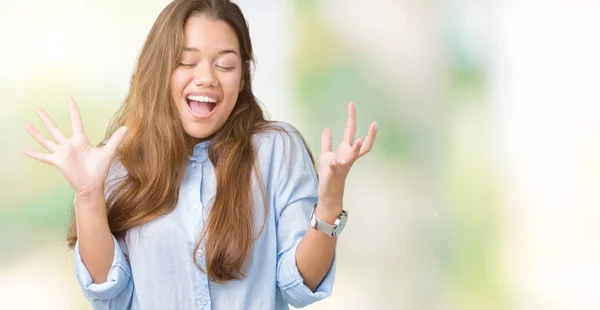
[330, 230]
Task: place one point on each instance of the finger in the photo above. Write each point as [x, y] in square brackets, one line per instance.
[52, 129]
[115, 140]
[350, 124]
[45, 158]
[369, 140]
[326, 140]
[40, 138]
[356, 147]
[333, 165]
[76, 123]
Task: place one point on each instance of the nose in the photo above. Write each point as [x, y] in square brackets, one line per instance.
[204, 76]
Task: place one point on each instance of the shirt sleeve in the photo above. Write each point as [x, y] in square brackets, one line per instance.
[117, 291]
[295, 198]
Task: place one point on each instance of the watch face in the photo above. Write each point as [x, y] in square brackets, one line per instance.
[342, 223]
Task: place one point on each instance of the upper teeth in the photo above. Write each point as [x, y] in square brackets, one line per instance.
[202, 99]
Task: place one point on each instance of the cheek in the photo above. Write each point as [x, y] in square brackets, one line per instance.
[231, 84]
[177, 83]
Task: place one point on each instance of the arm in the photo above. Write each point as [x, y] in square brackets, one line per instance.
[295, 186]
[107, 283]
[101, 266]
[95, 240]
[316, 251]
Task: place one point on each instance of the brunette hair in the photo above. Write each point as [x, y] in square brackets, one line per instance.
[156, 148]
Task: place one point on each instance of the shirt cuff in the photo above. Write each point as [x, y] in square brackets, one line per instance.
[118, 278]
[292, 286]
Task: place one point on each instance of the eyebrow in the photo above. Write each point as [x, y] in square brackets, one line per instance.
[223, 52]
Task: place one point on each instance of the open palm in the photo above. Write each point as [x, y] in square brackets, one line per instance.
[334, 166]
[84, 166]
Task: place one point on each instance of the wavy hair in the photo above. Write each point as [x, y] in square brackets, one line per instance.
[155, 150]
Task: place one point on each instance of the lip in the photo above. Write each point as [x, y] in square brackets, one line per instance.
[202, 93]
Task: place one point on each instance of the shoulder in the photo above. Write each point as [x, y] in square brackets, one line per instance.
[276, 130]
[281, 147]
[278, 138]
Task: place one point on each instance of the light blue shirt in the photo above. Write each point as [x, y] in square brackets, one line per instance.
[153, 268]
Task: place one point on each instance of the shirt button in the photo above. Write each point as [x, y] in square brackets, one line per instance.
[199, 254]
[203, 301]
[195, 164]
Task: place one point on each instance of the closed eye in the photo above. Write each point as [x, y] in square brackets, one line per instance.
[225, 68]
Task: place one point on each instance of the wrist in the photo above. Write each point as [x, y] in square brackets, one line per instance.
[92, 200]
[328, 211]
[329, 221]
[90, 193]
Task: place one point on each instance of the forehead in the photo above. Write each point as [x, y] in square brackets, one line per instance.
[209, 35]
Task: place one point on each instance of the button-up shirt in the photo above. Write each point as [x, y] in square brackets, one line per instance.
[153, 266]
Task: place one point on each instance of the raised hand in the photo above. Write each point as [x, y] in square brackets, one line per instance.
[84, 166]
[334, 166]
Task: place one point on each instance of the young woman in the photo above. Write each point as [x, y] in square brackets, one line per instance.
[195, 201]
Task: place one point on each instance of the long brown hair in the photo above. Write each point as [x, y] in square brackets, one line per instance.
[156, 148]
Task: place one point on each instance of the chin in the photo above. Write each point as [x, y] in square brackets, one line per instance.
[200, 131]
[199, 134]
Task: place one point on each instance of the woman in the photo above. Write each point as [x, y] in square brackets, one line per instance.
[195, 201]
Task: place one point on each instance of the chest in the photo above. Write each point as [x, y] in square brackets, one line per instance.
[179, 231]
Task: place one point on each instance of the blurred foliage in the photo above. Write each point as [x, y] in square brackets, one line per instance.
[464, 245]
[328, 77]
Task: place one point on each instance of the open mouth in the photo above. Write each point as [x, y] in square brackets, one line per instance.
[201, 106]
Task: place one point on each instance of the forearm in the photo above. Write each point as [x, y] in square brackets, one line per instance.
[316, 250]
[96, 245]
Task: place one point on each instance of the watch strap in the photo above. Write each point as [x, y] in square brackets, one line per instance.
[328, 229]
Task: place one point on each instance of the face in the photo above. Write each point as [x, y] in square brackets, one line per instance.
[206, 82]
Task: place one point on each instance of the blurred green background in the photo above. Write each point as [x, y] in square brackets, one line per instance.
[481, 191]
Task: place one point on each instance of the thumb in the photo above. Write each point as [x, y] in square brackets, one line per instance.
[115, 140]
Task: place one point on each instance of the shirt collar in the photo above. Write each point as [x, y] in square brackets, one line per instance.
[200, 152]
